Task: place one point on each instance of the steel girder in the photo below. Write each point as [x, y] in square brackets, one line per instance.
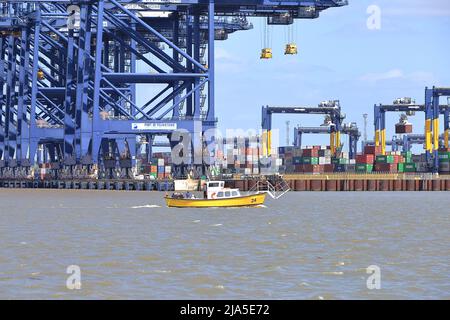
[68, 92]
[432, 110]
[330, 108]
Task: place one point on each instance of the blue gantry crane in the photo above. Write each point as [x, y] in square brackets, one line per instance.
[406, 141]
[331, 108]
[71, 71]
[432, 110]
[350, 129]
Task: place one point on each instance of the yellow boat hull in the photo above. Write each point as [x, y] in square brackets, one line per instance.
[243, 201]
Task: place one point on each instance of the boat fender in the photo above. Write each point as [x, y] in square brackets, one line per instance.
[213, 195]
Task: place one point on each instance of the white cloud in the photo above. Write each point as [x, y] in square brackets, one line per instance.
[398, 74]
[374, 77]
[417, 8]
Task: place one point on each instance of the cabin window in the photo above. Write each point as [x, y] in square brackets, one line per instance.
[214, 185]
[227, 193]
[220, 194]
[234, 193]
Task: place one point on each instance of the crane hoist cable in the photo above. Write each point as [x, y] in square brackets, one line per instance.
[266, 52]
[291, 47]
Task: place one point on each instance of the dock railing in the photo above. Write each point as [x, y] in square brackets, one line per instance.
[276, 191]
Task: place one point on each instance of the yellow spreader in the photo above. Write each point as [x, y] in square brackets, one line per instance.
[291, 48]
[266, 53]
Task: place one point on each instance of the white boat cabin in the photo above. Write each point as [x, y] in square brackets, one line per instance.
[217, 190]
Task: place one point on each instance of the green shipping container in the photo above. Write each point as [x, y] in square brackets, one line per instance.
[409, 167]
[444, 156]
[310, 160]
[297, 160]
[362, 167]
[153, 174]
[339, 161]
[385, 159]
[407, 154]
[401, 167]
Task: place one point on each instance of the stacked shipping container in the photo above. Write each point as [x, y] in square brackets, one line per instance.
[160, 167]
[313, 159]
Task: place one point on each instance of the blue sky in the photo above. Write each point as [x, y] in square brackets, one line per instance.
[339, 58]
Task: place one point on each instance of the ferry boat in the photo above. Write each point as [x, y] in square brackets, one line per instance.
[216, 195]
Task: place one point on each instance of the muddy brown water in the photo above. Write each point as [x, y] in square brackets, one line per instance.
[307, 245]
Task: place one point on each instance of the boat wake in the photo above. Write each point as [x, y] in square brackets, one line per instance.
[146, 206]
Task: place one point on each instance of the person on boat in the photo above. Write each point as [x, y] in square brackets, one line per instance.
[177, 195]
[188, 195]
[205, 192]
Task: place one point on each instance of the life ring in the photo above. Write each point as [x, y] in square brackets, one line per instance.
[213, 195]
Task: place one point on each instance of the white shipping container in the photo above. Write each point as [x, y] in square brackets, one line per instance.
[160, 162]
[168, 169]
[255, 171]
[248, 171]
[324, 160]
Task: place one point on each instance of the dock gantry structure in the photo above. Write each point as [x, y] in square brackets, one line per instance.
[351, 129]
[331, 109]
[73, 74]
[432, 109]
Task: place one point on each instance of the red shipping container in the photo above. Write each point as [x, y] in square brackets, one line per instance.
[403, 128]
[372, 150]
[311, 168]
[328, 168]
[298, 168]
[310, 153]
[386, 167]
[365, 158]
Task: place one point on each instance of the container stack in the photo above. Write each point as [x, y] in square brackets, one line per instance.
[420, 162]
[160, 167]
[408, 164]
[444, 160]
[395, 162]
[313, 159]
[365, 162]
[239, 158]
[389, 163]
[343, 163]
